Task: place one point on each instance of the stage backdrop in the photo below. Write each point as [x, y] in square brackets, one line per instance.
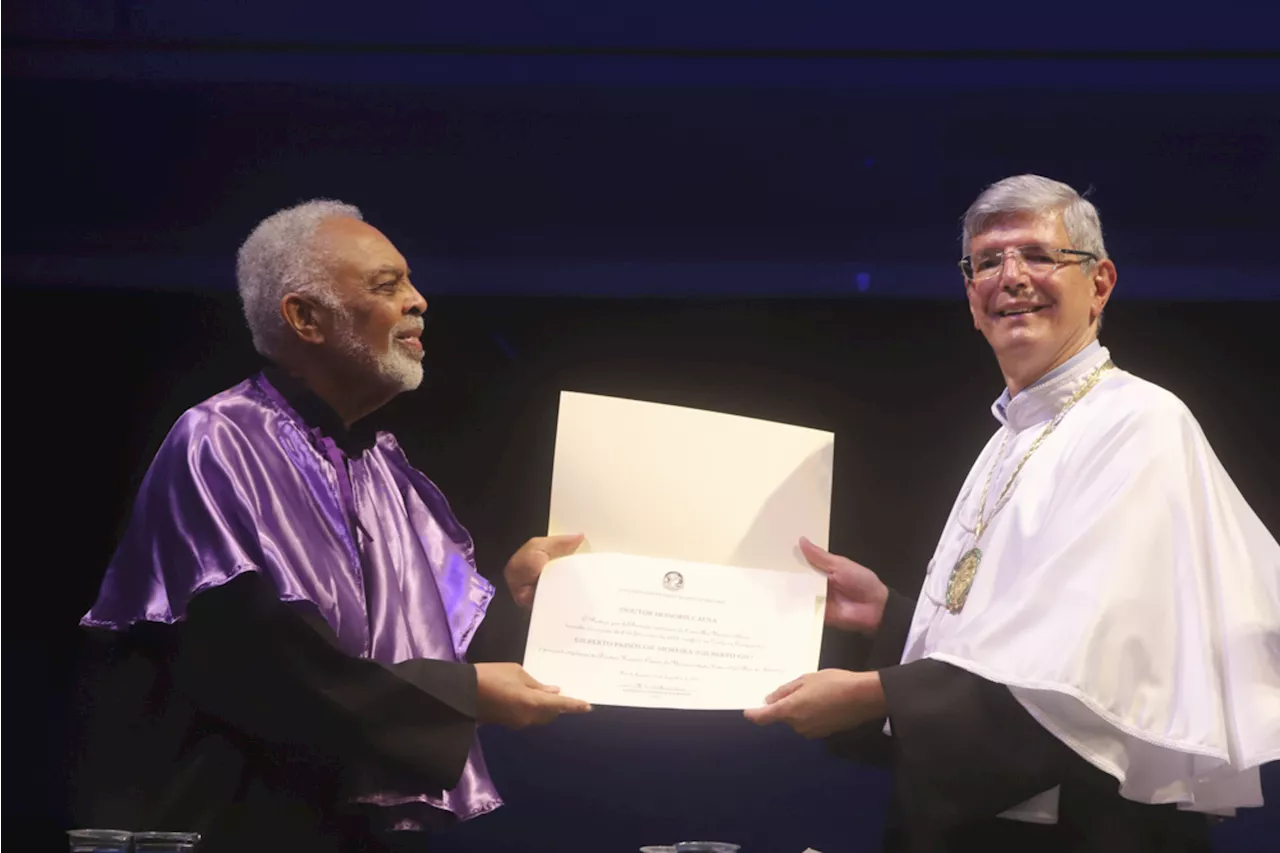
[666, 148]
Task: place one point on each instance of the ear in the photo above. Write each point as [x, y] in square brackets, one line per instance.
[304, 316]
[1104, 281]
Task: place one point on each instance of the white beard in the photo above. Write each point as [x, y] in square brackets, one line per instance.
[397, 366]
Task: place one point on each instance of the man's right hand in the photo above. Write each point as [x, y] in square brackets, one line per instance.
[855, 595]
[511, 697]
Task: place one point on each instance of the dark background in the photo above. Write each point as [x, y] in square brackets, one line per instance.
[905, 386]
[749, 208]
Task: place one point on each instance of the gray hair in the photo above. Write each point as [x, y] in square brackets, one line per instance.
[1032, 194]
[280, 257]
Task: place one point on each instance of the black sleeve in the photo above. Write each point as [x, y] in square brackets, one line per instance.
[502, 635]
[965, 748]
[867, 743]
[962, 747]
[960, 744]
[274, 671]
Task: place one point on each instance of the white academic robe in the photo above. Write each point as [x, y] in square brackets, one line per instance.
[1127, 595]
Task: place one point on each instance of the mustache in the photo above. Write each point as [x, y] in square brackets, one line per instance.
[415, 326]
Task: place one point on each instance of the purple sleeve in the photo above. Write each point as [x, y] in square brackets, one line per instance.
[193, 526]
[238, 486]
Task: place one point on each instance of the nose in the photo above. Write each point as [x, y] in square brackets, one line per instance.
[417, 305]
[1020, 277]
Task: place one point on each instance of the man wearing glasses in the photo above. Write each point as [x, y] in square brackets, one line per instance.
[1094, 661]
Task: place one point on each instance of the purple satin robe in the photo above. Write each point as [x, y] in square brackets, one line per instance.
[242, 483]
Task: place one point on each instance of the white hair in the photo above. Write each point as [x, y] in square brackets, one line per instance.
[279, 257]
[1032, 194]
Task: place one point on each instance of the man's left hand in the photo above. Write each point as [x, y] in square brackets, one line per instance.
[526, 565]
[821, 703]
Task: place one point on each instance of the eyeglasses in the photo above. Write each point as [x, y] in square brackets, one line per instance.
[1037, 260]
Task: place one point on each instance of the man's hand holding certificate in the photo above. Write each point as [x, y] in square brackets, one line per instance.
[690, 590]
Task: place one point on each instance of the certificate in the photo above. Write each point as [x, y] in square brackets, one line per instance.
[618, 629]
[690, 590]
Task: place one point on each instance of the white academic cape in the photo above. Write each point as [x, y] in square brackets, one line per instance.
[1127, 594]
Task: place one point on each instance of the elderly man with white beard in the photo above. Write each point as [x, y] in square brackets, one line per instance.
[292, 645]
[1093, 663]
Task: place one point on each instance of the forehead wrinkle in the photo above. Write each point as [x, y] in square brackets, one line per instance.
[1022, 230]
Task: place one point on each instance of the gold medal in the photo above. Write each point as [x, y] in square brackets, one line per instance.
[962, 578]
[966, 568]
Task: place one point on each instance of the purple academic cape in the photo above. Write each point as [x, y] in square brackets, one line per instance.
[243, 484]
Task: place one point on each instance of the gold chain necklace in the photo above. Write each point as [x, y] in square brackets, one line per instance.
[966, 568]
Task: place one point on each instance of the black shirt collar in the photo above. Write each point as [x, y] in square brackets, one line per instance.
[320, 415]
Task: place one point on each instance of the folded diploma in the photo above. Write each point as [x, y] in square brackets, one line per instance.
[690, 590]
